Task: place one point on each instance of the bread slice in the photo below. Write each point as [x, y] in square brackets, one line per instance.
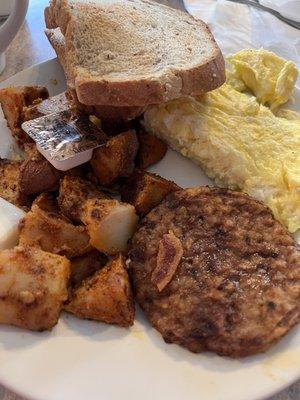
[135, 52]
[106, 112]
[57, 40]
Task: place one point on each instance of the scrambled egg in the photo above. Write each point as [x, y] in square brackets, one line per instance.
[270, 78]
[238, 141]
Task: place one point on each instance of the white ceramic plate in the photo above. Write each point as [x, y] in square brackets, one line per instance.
[81, 360]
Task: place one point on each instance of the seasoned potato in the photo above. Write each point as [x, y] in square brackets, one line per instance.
[145, 190]
[47, 202]
[118, 114]
[73, 193]
[81, 171]
[151, 150]
[33, 287]
[52, 233]
[110, 224]
[31, 150]
[21, 179]
[37, 175]
[114, 127]
[13, 100]
[86, 265]
[10, 182]
[54, 104]
[106, 296]
[116, 158]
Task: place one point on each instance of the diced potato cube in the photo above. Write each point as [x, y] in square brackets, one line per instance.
[73, 193]
[106, 296]
[110, 224]
[53, 233]
[47, 202]
[20, 179]
[54, 104]
[10, 188]
[10, 217]
[145, 190]
[37, 175]
[13, 101]
[33, 287]
[116, 158]
[86, 265]
[151, 150]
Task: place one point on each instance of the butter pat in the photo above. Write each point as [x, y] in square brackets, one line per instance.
[64, 139]
[10, 217]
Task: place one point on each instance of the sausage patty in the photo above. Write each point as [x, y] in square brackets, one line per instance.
[236, 287]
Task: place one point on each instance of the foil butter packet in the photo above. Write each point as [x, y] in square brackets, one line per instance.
[64, 139]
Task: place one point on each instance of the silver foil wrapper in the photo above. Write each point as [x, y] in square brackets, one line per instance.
[63, 135]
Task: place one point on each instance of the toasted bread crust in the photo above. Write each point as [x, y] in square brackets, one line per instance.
[107, 113]
[57, 41]
[168, 86]
[49, 19]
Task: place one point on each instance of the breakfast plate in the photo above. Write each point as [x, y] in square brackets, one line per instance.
[81, 359]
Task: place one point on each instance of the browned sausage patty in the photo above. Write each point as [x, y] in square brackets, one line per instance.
[236, 289]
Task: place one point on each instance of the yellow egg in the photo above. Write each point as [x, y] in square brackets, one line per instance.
[271, 78]
[236, 140]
